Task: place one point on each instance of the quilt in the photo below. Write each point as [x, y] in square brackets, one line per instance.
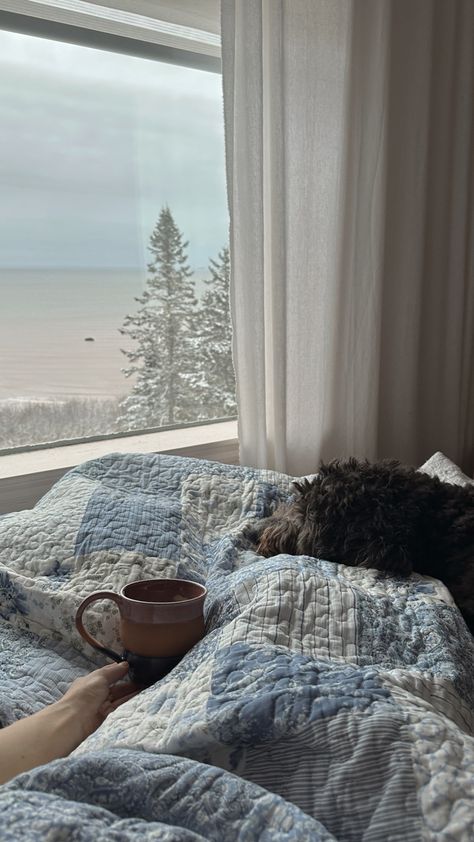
[324, 703]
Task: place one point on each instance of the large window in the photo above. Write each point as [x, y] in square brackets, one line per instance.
[113, 244]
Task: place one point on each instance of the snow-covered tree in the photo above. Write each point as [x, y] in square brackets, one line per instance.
[216, 381]
[163, 360]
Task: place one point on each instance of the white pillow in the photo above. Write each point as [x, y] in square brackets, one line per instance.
[440, 466]
[437, 465]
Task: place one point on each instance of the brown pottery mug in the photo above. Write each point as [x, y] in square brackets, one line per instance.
[160, 620]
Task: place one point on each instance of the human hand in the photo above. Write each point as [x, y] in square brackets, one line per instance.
[60, 727]
[92, 697]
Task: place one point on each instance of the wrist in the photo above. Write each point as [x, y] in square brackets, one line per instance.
[64, 718]
[51, 733]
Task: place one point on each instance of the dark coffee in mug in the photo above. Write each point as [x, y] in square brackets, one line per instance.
[160, 620]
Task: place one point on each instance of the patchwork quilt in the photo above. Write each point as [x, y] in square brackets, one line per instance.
[324, 703]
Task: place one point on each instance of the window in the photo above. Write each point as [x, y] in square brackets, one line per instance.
[114, 266]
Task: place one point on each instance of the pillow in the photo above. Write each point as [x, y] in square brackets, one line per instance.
[440, 466]
[437, 465]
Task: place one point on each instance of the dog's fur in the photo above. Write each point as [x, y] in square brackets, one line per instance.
[382, 515]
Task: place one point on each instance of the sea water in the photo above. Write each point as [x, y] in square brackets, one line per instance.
[46, 318]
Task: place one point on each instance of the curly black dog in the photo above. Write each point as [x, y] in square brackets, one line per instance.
[382, 515]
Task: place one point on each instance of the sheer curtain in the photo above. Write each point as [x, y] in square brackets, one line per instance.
[349, 132]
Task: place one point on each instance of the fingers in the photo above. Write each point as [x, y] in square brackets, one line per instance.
[122, 689]
[117, 702]
[113, 672]
[110, 706]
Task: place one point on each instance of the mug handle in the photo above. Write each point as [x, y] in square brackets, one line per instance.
[85, 634]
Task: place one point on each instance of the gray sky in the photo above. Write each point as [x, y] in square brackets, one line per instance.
[93, 144]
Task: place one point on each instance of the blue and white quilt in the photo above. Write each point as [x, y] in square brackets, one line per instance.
[324, 703]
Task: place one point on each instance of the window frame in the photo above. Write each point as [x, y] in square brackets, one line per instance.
[55, 30]
[25, 476]
[27, 472]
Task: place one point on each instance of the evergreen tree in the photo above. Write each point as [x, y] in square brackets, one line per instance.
[216, 382]
[163, 359]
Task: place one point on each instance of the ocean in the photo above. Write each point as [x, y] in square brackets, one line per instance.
[46, 316]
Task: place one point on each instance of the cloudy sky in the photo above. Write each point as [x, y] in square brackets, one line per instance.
[93, 144]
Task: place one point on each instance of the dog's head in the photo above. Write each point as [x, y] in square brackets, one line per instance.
[281, 532]
[356, 513]
[292, 527]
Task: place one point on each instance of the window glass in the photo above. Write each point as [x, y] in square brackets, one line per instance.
[114, 266]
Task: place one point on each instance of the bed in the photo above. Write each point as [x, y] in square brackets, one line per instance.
[324, 703]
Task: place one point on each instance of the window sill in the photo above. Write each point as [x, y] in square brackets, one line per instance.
[25, 477]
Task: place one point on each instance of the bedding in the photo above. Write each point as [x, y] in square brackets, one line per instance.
[324, 703]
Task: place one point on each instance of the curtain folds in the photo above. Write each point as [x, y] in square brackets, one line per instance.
[349, 137]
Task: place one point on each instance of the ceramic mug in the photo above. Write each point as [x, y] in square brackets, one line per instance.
[160, 620]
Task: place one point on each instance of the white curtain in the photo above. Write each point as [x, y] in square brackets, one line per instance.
[349, 137]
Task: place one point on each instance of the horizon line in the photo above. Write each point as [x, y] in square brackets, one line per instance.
[81, 268]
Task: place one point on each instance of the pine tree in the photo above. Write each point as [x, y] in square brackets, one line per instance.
[163, 360]
[216, 383]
